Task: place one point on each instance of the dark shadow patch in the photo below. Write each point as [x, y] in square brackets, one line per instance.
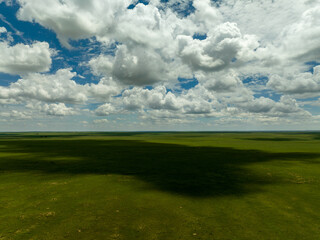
[179, 169]
[316, 136]
[275, 139]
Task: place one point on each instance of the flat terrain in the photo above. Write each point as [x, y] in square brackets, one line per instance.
[160, 186]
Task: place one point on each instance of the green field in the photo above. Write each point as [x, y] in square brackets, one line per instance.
[160, 186]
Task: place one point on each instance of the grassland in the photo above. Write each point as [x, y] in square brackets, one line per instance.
[160, 186]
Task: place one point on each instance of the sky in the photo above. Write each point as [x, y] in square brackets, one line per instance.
[159, 65]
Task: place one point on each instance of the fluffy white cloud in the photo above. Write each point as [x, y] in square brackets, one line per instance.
[145, 25]
[3, 30]
[259, 105]
[221, 82]
[48, 88]
[137, 66]
[106, 20]
[288, 36]
[52, 109]
[23, 59]
[206, 14]
[154, 44]
[104, 90]
[100, 121]
[301, 40]
[59, 109]
[287, 106]
[301, 85]
[296, 44]
[105, 109]
[266, 19]
[224, 45]
[73, 19]
[14, 114]
[161, 99]
[226, 87]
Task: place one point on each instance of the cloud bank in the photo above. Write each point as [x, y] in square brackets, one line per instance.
[201, 64]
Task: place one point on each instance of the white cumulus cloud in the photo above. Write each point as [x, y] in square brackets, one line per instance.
[57, 87]
[301, 85]
[24, 59]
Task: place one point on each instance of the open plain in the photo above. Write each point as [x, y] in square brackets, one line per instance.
[160, 185]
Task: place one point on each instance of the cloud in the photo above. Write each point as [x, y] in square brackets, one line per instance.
[137, 66]
[23, 59]
[3, 30]
[222, 83]
[7, 2]
[58, 88]
[165, 117]
[16, 31]
[206, 13]
[223, 46]
[161, 99]
[288, 36]
[141, 54]
[107, 20]
[14, 114]
[73, 19]
[301, 40]
[53, 109]
[181, 7]
[105, 110]
[265, 19]
[146, 25]
[104, 90]
[59, 109]
[262, 106]
[301, 85]
[288, 106]
[100, 121]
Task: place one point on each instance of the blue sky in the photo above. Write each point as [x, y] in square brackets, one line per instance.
[157, 65]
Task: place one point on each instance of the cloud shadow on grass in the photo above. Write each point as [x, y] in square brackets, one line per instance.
[273, 139]
[179, 169]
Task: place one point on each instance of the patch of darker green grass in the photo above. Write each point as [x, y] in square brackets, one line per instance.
[193, 171]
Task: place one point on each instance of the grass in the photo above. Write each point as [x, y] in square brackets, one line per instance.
[159, 186]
